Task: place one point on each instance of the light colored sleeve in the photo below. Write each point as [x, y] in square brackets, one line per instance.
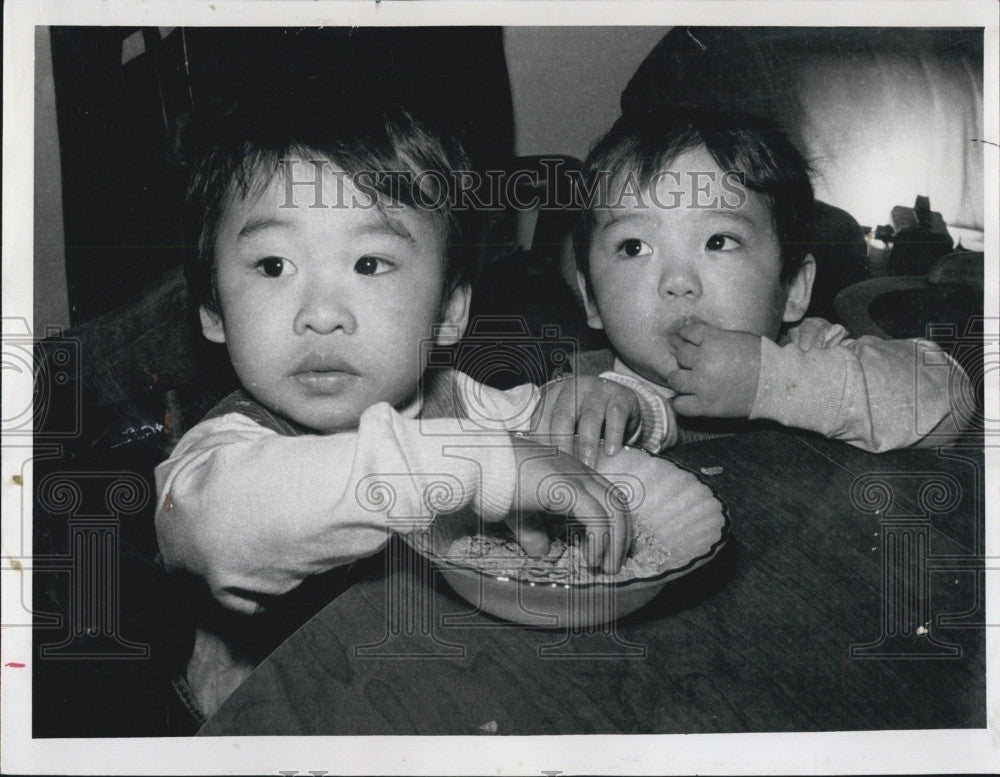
[658, 424]
[486, 409]
[872, 393]
[254, 513]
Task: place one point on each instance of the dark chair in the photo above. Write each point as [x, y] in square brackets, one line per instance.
[112, 397]
[945, 306]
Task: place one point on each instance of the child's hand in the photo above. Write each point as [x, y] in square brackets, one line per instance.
[556, 482]
[573, 412]
[718, 373]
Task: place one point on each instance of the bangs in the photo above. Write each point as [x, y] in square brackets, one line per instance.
[389, 156]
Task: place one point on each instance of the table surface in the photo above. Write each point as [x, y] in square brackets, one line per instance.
[849, 596]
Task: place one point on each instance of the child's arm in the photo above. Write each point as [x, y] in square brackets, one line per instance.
[872, 393]
[254, 513]
[573, 412]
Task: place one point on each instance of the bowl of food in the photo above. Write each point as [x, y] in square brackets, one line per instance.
[678, 524]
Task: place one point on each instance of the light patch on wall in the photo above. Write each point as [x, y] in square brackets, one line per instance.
[132, 47]
[565, 82]
[905, 132]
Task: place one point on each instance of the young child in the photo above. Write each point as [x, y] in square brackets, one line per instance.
[326, 284]
[692, 258]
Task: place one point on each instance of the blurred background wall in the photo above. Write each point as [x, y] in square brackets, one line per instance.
[884, 114]
[565, 82]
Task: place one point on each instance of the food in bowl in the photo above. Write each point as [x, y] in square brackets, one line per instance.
[679, 526]
[498, 552]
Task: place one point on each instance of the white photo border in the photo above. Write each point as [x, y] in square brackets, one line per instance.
[897, 752]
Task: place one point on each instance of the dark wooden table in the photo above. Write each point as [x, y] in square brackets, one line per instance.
[850, 596]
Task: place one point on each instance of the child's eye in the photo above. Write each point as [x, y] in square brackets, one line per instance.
[275, 266]
[721, 243]
[633, 247]
[372, 265]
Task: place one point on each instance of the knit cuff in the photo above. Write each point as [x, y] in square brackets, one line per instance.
[657, 426]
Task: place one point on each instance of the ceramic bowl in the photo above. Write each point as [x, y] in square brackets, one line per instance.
[665, 500]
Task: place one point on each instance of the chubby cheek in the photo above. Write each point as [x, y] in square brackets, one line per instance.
[758, 313]
[255, 341]
[394, 349]
[253, 332]
[614, 293]
[399, 329]
[628, 304]
[639, 338]
[743, 299]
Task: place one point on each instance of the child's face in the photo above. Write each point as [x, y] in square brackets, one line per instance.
[654, 267]
[324, 309]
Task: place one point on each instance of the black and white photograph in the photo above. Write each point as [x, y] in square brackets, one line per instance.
[511, 388]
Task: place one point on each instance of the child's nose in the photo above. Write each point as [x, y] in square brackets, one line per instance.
[323, 313]
[679, 278]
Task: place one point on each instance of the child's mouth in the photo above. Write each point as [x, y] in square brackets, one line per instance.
[325, 381]
[324, 375]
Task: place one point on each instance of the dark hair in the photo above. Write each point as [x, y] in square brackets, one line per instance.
[239, 153]
[755, 147]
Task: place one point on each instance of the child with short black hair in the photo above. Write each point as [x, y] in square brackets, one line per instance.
[693, 258]
[329, 256]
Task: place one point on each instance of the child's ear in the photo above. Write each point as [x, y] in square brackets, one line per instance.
[211, 325]
[454, 315]
[593, 317]
[800, 291]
